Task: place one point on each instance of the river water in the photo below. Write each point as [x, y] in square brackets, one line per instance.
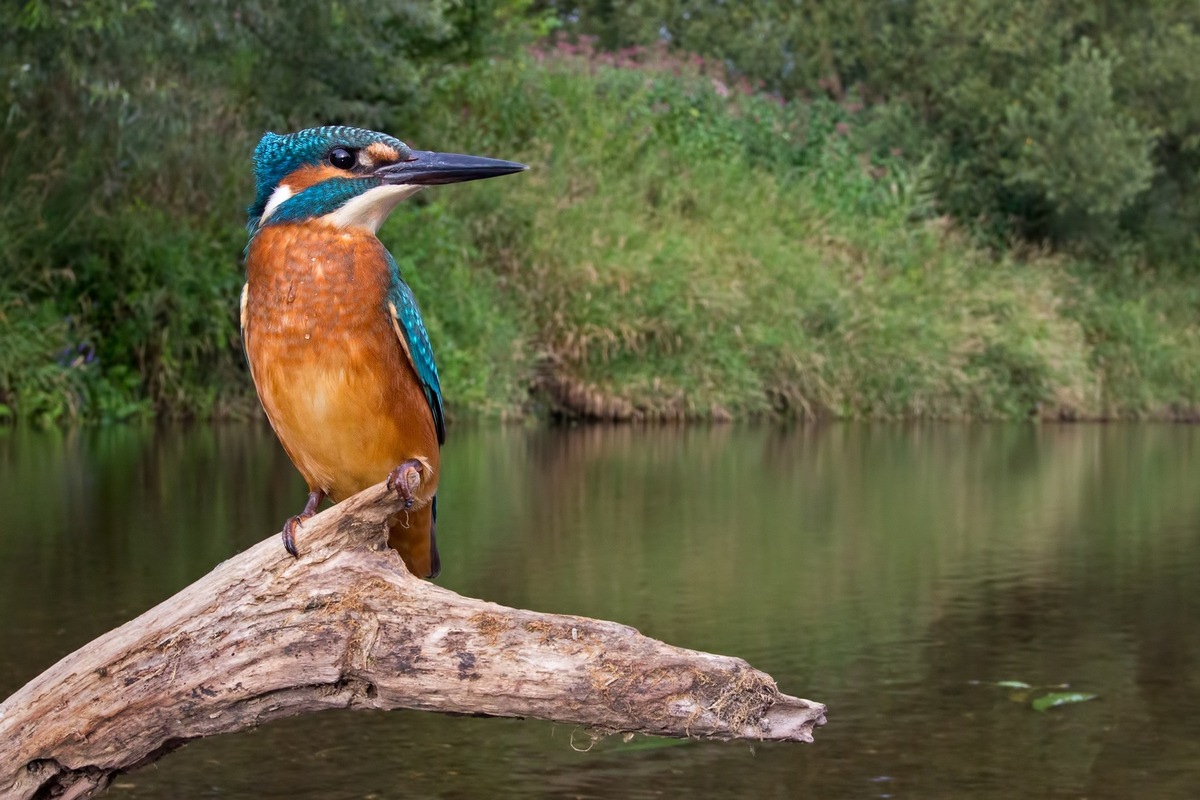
[896, 573]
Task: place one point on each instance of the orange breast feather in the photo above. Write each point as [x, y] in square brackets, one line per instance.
[332, 374]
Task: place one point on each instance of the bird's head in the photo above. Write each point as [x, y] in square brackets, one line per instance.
[350, 177]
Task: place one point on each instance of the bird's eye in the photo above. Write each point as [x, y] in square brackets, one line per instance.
[341, 158]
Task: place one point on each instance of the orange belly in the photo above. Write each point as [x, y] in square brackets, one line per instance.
[333, 377]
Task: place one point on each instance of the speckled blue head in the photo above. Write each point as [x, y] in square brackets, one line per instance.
[278, 156]
[349, 176]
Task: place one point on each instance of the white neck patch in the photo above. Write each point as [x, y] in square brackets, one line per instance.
[281, 195]
[371, 208]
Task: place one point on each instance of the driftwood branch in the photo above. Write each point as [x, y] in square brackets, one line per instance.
[264, 636]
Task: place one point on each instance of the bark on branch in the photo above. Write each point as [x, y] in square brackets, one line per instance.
[264, 636]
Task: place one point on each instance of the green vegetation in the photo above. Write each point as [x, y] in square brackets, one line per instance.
[685, 247]
[1074, 121]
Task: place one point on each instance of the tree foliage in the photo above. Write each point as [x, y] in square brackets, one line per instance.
[1056, 119]
[125, 133]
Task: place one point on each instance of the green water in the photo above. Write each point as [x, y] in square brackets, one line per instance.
[891, 572]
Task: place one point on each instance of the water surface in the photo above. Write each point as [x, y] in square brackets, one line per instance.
[894, 573]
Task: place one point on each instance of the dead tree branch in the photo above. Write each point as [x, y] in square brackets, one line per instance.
[264, 636]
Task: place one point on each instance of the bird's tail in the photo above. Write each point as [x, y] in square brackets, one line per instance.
[413, 534]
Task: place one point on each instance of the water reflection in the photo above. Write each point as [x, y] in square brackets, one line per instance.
[889, 571]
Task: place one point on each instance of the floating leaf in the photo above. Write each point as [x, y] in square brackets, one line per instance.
[1055, 699]
[630, 745]
[1014, 684]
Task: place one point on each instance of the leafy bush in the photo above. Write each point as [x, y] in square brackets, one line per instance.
[1059, 120]
[1074, 147]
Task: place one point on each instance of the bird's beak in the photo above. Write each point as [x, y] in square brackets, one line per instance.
[430, 169]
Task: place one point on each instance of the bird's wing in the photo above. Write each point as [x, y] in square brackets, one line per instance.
[242, 327]
[406, 318]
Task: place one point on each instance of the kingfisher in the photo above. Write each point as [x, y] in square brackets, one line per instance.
[337, 349]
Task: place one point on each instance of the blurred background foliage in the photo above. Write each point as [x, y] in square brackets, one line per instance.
[1068, 120]
[873, 209]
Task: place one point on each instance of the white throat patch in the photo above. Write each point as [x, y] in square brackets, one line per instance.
[281, 195]
[371, 208]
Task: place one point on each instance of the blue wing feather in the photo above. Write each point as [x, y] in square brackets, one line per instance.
[417, 338]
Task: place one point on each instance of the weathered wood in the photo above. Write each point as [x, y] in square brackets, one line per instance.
[264, 636]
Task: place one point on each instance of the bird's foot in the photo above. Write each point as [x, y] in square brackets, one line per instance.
[292, 525]
[405, 479]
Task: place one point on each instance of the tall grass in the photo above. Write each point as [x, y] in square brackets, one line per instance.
[684, 248]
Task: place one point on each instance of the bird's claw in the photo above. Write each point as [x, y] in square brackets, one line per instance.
[293, 524]
[404, 479]
[289, 534]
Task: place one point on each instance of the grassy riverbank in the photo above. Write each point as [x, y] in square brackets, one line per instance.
[682, 248]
